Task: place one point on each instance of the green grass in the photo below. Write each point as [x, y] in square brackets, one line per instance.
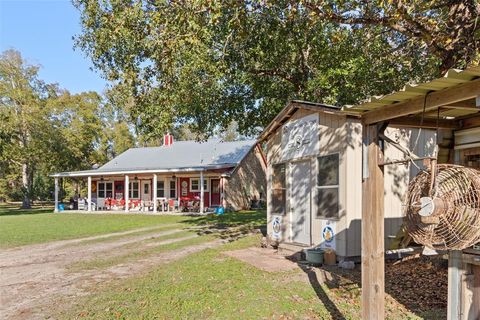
[21, 227]
[201, 286]
[210, 285]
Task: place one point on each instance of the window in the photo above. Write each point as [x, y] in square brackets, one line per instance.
[145, 188]
[195, 185]
[278, 189]
[105, 189]
[173, 189]
[133, 190]
[327, 186]
[101, 190]
[161, 189]
[109, 189]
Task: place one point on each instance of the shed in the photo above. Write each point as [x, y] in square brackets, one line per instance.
[314, 177]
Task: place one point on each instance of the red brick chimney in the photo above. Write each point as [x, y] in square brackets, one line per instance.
[167, 140]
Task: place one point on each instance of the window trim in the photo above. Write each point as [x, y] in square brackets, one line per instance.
[205, 180]
[130, 189]
[285, 189]
[170, 188]
[158, 189]
[332, 186]
[105, 190]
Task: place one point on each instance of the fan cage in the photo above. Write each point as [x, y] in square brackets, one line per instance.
[455, 222]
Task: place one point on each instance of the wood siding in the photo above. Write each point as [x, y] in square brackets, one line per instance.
[342, 135]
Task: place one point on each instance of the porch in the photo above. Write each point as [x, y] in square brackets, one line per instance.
[149, 193]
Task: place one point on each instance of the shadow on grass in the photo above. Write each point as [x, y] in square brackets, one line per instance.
[15, 210]
[230, 226]
[401, 283]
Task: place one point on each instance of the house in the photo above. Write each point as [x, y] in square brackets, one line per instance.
[314, 177]
[177, 176]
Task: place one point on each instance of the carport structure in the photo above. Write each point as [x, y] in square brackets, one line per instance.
[451, 105]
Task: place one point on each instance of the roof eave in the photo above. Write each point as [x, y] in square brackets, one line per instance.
[79, 174]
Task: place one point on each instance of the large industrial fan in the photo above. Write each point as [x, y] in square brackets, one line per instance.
[442, 207]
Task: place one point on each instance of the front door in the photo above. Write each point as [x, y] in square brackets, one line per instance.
[215, 189]
[300, 202]
[146, 191]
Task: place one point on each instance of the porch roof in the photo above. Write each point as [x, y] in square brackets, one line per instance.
[443, 100]
[182, 156]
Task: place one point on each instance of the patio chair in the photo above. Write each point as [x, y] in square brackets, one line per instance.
[171, 205]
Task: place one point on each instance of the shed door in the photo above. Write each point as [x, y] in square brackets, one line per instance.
[300, 202]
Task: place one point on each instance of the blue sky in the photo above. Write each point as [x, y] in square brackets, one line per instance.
[42, 31]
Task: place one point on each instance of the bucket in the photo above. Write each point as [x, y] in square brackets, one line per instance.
[315, 256]
[220, 210]
[330, 257]
[61, 207]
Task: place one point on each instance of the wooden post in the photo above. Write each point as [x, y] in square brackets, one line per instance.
[454, 276]
[89, 195]
[127, 186]
[154, 190]
[373, 247]
[56, 195]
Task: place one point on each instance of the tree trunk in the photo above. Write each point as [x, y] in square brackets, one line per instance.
[26, 186]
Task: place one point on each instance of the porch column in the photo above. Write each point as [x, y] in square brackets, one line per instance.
[154, 190]
[373, 247]
[202, 192]
[89, 195]
[56, 195]
[127, 185]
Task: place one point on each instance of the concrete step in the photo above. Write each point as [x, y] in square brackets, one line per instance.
[292, 249]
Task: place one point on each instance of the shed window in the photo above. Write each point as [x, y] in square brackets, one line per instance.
[279, 189]
[160, 189]
[328, 186]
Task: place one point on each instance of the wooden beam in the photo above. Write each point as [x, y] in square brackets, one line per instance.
[466, 105]
[471, 122]
[427, 123]
[373, 247]
[433, 100]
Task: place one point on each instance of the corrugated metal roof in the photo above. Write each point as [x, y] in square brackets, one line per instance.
[452, 78]
[290, 109]
[182, 155]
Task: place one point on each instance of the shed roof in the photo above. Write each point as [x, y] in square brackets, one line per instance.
[181, 156]
[424, 93]
[290, 109]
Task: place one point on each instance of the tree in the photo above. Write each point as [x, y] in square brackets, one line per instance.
[207, 63]
[449, 30]
[23, 109]
[45, 129]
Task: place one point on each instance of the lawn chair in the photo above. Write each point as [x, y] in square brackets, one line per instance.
[173, 205]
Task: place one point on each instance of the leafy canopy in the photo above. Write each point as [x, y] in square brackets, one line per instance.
[208, 63]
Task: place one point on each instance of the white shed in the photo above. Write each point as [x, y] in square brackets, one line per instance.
[314, 177]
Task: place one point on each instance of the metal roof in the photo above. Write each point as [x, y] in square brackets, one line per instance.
[288, 111]
[452, 78]
[181, 156]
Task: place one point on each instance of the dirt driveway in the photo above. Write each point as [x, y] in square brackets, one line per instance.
[34, 277]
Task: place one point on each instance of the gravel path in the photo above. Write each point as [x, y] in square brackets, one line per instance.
[33, 277]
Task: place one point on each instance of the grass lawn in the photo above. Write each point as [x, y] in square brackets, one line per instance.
[21, 227]
[210, 285]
